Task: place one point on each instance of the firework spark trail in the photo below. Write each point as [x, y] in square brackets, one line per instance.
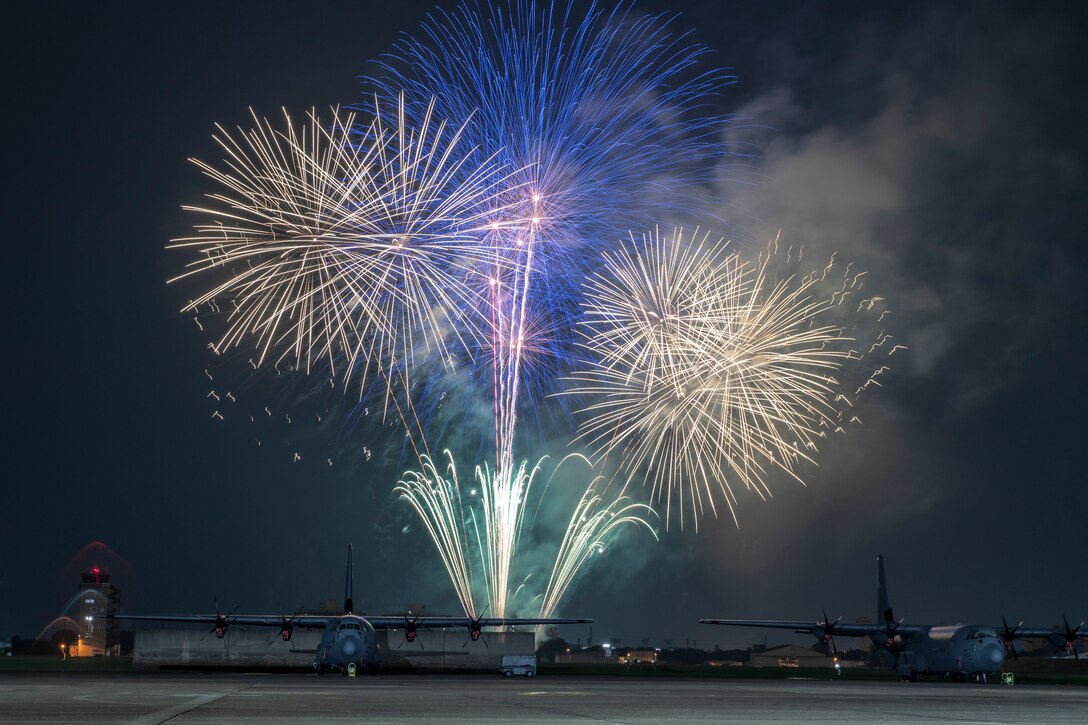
[438, 501]
[594, 520]
[706, 374]
[503, 493]
[348, 243]
[436, 498]
[495, 533]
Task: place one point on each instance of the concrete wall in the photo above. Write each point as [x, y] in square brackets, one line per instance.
[190, 647]
[433, 650]
[442, 649]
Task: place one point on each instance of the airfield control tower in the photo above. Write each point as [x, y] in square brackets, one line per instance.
[98, 636]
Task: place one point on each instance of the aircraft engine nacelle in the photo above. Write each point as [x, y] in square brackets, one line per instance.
[410, 627]
[222, 621]
[287, 628]
[825, 631]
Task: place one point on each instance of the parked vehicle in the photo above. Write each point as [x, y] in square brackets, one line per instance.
[518, 665]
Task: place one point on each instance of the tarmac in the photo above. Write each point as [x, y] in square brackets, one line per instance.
[283, 698]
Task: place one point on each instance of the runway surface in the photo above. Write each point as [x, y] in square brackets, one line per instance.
[226, 698]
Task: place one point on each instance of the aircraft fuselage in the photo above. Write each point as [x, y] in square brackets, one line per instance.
[348, 639]
[958, 650]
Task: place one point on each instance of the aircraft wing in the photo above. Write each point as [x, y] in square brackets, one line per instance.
[309, 621]
[395, 622]
[847, 629]
[1080, 632]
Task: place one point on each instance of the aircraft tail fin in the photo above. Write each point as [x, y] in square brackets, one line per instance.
[348, 586]
[883, 606]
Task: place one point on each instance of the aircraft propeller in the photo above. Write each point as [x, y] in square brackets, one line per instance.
[287, 626]
[410, 629]
[222, 621]
[827, 628]
[474, 630]
[1070, 635]
[1009, 635]
[890, 629]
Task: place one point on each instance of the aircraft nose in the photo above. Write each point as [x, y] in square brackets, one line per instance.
[349, 646]
[993, 655]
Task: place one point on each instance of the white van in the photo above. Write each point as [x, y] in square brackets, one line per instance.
[518, 665]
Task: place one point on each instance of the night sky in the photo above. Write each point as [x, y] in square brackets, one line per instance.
[942, 148]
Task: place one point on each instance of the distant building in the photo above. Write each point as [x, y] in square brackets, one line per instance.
[728, 658]
[857, 659]
[584, 658]
[97, 636]
[639, 655]
[790, 655]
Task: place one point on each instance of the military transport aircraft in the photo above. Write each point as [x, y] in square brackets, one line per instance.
[349, 640]
[958, 651]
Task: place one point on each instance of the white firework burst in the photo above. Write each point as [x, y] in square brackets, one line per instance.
[704, 375]
[346, 243]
